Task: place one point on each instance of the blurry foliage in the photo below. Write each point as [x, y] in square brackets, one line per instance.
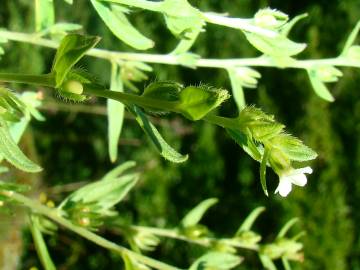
[327, 207]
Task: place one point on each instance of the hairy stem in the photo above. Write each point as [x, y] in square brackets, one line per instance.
[206, 242]
[169, 59]
[52, 214]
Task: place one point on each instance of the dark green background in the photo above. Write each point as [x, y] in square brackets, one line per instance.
[72, 147]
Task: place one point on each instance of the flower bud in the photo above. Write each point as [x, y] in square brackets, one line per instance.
[270, 18]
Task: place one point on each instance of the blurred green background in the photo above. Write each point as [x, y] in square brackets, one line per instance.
[72, 147]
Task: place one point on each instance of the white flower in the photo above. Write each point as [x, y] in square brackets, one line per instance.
[296, 177]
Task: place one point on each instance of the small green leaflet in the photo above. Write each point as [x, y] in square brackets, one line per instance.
[72, 48]
[351, 39]
[196, 102]
[267, 262]
[195, 215]
[263, 170]
[319, 86]
[216, 260]
[285, 30]
[44, 14]
[237, 90]
[278, 46]
[115, 113]
[40, 244]
[119, 170]
[250, 219]
[287, 227]
[293, 148]
[116, 21]
[161, 145]
[104, 193]
[12, 153]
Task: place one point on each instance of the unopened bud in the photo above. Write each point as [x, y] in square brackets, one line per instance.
[74, 87]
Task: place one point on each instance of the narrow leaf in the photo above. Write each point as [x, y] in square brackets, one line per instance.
[319, 87]
[117, 171]
[160, 144]
[12, 153]
[263, 170]
[351, 39]
[278, 46]
[267, 262]
[44, 14]
[104, 193]
[287, 227]
[40, 244]
[286, 263]
[115, 113]
[216, 260]
[72, 48]
[194, 216]
[116, 21]
[237, 90]
[250, 219]
[285, 30]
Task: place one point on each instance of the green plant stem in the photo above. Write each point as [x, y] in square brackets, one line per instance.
[53, 214]
[169, 59]
[90, 89]
[206, 242]
[45, 80]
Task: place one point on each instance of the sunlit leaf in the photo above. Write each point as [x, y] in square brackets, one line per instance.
[161, 145]
[319, 86]
[250, 219]
[116, 21]
[12, 153]
[72, 48]
[44, 14]
[194, 216]
[216, 260]
[115, 112]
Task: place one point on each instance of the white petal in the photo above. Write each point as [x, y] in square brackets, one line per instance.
[298, 179]
[307, 170]
[284, 187]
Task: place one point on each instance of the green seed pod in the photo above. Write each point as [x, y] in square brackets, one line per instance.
[74, 87]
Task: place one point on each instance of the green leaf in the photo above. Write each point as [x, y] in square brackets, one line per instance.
[318, 86]
[287, 227]
[285, 30]
[216, 260]
[12, 153]
[247, 143]
[44, 14]
[250, 219]
[285, 263]
[115, 112]
[275, 46]
[160, 144]
[40, 244]
[72, 48]
[104, 193]
[116, 21]
[267, 262]
[196, 102]
[351, 39]
[263, 163]
[194, 216]
[293, 147]
[117, 171]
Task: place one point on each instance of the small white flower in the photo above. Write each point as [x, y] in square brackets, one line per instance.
[296, 177]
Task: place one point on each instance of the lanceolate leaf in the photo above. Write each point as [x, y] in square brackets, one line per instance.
[263, 170]
[237, 90]
[70, 51]
[161, 145]
[319, 87]
[119, 25]
[115, 111]
[117, 171]
[278, 46]
[194, 216]
[104, 193]
[250, 219]
[40, 244]
[44, 14]
[216, 260]
[12, 153]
